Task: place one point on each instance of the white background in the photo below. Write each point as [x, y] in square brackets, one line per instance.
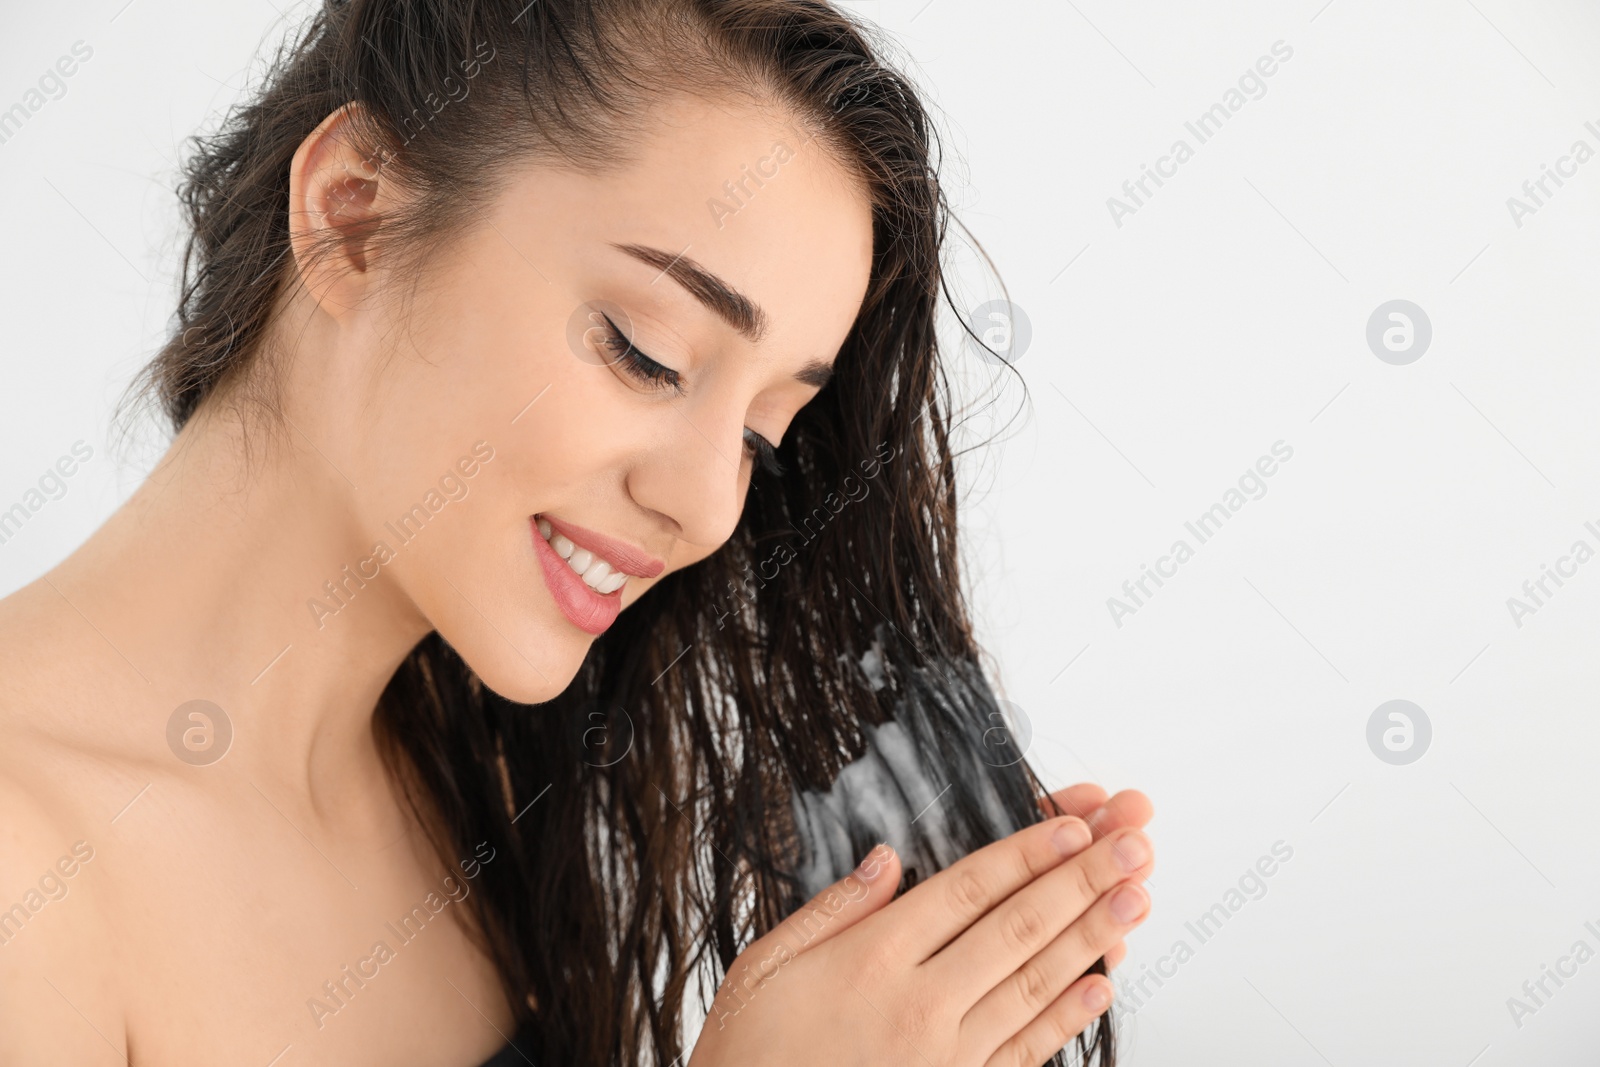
[1167, 354]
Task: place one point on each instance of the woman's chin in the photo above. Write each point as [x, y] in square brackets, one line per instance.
[536, 670]
[523, 683]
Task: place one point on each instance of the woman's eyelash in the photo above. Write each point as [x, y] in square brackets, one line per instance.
[761, 450]
[648, 371]
[636, 363]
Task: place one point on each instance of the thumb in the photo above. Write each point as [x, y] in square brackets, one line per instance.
[846, 902]
[840, 906]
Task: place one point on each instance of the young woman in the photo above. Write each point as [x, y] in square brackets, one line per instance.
[560, 514]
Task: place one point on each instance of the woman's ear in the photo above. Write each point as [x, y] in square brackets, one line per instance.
[336, 193]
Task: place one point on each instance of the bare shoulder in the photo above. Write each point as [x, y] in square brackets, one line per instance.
[65, 695]
[57, 988]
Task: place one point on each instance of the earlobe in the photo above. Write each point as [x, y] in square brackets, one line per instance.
[335, 190]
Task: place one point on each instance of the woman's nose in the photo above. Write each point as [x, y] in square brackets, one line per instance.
[692, 471]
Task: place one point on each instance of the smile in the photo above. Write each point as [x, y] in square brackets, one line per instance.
[586, 571]
[596, 573]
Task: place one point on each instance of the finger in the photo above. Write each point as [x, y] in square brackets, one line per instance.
[1116, 954]
[1128, 808]
[1009, 935]
[842, 905]
[936, 911]
[837, 908]
[1077, 800]
[1028, 993]
[1105, 816]
[1069, 1016]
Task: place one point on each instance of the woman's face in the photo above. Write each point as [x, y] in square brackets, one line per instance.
[510, 401]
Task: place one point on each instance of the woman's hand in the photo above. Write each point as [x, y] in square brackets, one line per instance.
[1088, 801]
[983, 963]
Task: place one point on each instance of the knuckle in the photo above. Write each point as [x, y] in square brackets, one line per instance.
[1084, 882]
[968, 895]
[1024, 927]
[1032, 862]
[1024, 1051]
[1131, 846]
[1052, 1037]
[1034, 988]
[1093, 934]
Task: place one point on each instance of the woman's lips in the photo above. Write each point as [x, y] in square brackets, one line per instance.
[627, 558]
[586, 609]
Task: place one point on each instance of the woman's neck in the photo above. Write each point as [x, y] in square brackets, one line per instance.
[204, 584]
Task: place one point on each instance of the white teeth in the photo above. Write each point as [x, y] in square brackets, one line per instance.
[595, 572]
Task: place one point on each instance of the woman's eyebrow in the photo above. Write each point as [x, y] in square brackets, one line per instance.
[723, 300]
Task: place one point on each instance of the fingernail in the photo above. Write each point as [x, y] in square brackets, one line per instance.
[1071, 837]
[872, 864]
[1097, 818]
[1127, 903]
[1132, 851]
[1096, 997]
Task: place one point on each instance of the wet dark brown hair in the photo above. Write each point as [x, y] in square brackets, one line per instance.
[664, 837]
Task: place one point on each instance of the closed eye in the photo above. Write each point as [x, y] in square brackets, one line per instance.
[638, 365]
[655, 375]
[761, 450]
